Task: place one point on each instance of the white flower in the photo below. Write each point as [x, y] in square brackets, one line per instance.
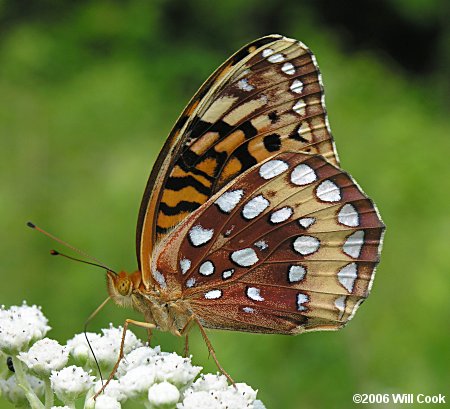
[70, 383]
[216, 387]
[114, 389]
[163, 396]
[107, 402]
[106, 347]
[232, 399]
[200, 400]
[106, 351]
[257, 404]
[175, 369]
[241, 396]
[44, 356]
[34, 316]
[21, 326]
[131, 341]
[140, 356]
[14, 337]
[15, 394]
[210, 382]
[136, 382]
[79, 347]
[154, 379]
[246, 391]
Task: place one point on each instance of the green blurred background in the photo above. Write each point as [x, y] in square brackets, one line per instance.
[89, 92]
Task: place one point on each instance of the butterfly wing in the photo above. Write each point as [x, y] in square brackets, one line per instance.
[291, 245]
[267, 98]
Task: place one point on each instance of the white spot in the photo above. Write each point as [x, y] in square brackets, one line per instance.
[306, 221]
[347, 276]
[301, 299]
[245, 257]
[244, 85]
[306, 245]
[296, 273]
[206, 269]
[288, 68]
[227, 273]
[274, 58]
[328, 191]
[272, 168]
[263, 99]
[353, 244]
[254, 294]
[190, 283]
[303, 175]
[281, 215]
[304, 128]
[213, 294]
[255, 207]
[348, 216]
[299, 107]
[340, 305]
[199, 235]
[297, 86]
[185, 265]
[229, 231]
[261, 244]
[229, 200]
[159, 278]
[267, 52]
[248, 310]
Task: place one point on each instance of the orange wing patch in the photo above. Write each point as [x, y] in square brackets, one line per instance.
[266, 99]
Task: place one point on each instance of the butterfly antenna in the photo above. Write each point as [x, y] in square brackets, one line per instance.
[94, 261]
[57, 253]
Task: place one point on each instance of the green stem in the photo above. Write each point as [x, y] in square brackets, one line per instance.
[22, 381]
[88, 402]
[49, 397]
[3, 369]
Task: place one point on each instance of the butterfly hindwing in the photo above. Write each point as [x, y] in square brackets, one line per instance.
[267, 98]
[288, 246]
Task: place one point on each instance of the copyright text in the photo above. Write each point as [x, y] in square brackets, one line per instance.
[399, 398]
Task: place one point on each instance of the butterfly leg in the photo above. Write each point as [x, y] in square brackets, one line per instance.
[147, 325]
[149, 335]
[185, 331]
[211, 350]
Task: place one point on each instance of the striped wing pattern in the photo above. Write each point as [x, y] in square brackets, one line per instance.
[291, 245]
[266, 99]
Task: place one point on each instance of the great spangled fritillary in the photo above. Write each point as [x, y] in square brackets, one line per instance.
[247, 222]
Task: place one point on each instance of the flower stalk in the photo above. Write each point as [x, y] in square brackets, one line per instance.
[23, 383]
[49, 397]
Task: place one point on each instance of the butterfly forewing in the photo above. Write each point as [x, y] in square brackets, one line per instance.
[265, 99]
[290, 245]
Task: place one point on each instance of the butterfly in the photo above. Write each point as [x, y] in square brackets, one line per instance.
[247, 222]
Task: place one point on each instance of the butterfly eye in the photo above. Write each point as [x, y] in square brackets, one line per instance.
[123, 286]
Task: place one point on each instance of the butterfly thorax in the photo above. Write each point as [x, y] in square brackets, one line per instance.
[167, 311]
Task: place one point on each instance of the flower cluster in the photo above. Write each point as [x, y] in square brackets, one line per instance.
[40, 373]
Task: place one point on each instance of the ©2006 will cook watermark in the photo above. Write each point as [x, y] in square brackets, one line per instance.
[399, 398]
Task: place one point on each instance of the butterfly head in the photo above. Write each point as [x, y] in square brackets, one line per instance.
[122, 285]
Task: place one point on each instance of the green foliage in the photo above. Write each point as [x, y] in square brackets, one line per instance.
[89, 92]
